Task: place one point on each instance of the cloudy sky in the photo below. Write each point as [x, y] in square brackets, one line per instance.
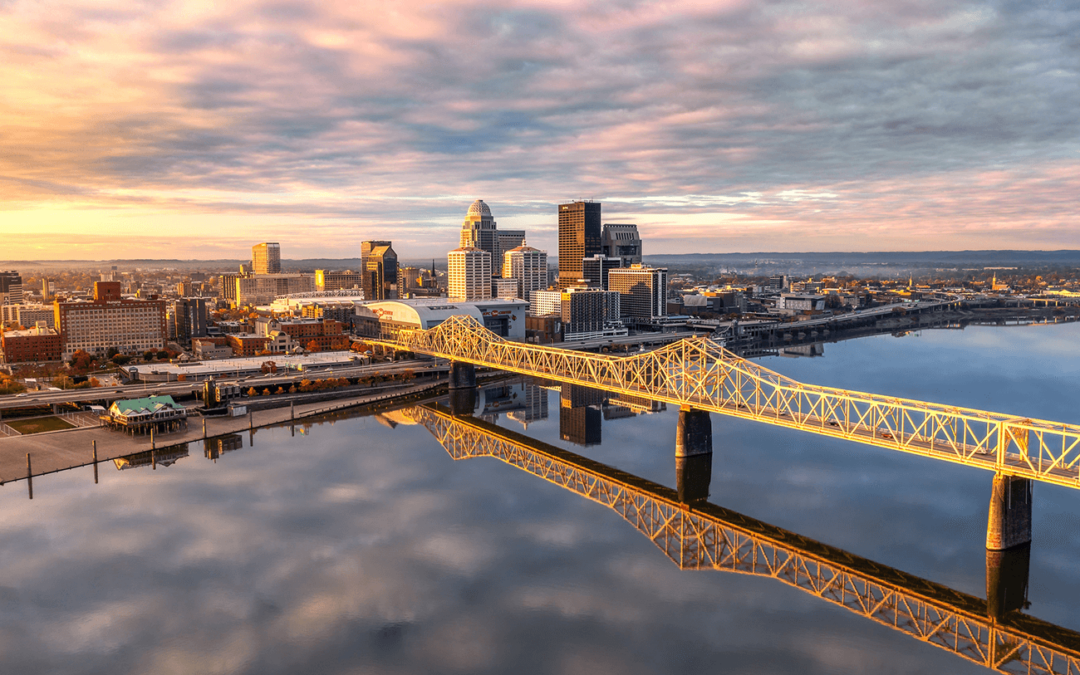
[195, 128]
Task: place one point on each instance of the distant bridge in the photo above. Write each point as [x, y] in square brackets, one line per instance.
[698, 374]
[705, 536]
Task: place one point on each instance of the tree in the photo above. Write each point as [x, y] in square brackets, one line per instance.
[111, 352]
[81, 361]
[148, 355]
[280, 390]
[251, 392]
[8, 384]
[162, 354]
[182, 377]
[292, 389]
[266, 392]
[312, 346]
[94, 382]
[121, 359]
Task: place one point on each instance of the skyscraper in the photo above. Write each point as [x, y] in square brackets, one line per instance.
[266, 258]
[469, 274]
[479, 229]
[579, 237]
[621, 240]
[529, 266]
[379, 264]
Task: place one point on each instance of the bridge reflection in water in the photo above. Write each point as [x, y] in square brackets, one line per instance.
[695, 534]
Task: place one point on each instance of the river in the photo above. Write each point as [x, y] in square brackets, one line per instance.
[359, 546]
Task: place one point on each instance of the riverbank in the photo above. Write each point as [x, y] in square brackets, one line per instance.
[50, 452]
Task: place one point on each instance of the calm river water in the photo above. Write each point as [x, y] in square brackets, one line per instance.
[361, 547]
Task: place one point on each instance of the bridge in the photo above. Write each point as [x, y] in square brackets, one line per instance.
[697, 535]
[702, 377]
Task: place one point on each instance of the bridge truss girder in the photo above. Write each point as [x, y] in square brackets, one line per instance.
[701, 374]
[710, 537]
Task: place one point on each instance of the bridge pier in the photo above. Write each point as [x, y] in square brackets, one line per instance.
[463, 401]
[462, 375]
[462, 388]
[1009, 524]
[1007, 580]
[693, 455]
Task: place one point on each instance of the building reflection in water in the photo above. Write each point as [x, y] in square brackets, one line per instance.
[580, 415]
[153, 458]
[696, 534]
[534, 405]
[214, 448]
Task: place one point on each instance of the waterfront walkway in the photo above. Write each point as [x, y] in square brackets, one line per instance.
[61, 450]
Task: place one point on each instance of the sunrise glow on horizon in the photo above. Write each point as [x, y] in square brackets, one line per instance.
[192, 129]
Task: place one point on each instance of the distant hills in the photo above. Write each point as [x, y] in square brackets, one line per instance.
[815, 258]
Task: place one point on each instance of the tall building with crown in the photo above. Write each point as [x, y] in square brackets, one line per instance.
[479, 230]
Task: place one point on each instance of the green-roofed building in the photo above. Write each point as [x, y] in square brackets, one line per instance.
[140, 415]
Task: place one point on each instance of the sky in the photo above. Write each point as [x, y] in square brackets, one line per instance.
[193, 129]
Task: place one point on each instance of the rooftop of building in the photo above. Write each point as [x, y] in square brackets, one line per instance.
[142, 406]
[30, 332]
[478, 209]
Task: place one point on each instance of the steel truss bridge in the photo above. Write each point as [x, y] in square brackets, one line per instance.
[706, 536]
[697, 373]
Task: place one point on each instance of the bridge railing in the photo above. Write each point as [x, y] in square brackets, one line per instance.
[699, 373]
[711, 537]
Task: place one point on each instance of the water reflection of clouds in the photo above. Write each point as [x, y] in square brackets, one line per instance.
[365, 548]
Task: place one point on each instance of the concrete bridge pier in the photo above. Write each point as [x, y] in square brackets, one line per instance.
[693, 455]
[462, 375]
[1007, 580]
[463, 391]
[1008, 546]
[1009, 524]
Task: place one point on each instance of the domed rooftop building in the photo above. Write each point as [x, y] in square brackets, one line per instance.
[478, 210]
[479, 230]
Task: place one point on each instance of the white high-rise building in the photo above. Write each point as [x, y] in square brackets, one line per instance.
[469, 274]
[529, 266]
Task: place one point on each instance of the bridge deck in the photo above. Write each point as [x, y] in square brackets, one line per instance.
[698, 373]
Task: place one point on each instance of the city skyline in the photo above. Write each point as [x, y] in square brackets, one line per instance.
[189, 131]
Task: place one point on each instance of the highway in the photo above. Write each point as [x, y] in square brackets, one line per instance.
[41, 398]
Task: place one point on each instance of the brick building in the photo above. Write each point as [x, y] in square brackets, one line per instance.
[40, 343]
[109, 320]
[246, 344]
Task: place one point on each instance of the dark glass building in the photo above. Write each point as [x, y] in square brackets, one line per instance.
[579, 238]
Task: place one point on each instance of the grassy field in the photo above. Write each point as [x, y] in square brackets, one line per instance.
[36, 426]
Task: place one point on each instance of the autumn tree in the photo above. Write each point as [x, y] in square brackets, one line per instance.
[251, 392]
[312, 346]
[81, 361]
